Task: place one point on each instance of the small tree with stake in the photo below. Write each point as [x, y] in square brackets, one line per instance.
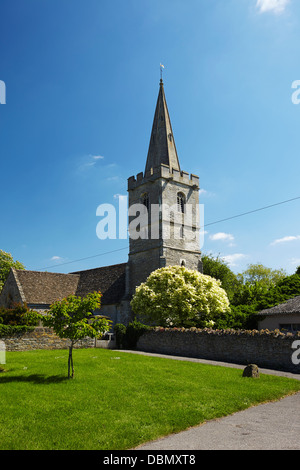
[73, 318]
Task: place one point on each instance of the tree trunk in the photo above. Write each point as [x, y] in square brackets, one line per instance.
[70, 362]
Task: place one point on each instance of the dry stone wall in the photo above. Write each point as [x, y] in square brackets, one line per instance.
[42, 338]
[267, 349]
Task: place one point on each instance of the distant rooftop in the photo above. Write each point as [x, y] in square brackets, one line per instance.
[289, 307]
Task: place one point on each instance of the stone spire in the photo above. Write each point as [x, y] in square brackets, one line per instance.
[162, 147]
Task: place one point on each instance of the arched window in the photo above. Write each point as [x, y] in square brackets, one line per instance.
[180, 202]
[145, 200]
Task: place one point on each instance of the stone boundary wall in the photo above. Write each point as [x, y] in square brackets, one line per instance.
[42, 338]
[271, 350]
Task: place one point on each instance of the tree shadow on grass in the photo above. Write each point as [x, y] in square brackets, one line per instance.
[34, 378]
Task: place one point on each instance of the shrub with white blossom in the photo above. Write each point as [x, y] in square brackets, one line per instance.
[177, 296]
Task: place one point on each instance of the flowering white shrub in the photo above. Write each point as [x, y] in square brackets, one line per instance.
[176, 296]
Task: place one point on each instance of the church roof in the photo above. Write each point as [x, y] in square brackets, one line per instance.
[162, 149]
[289, 307]
[44, 288]
[109, 280]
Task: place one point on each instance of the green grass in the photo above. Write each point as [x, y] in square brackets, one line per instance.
[117, 400]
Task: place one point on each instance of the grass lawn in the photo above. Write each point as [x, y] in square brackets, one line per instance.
[117, 400]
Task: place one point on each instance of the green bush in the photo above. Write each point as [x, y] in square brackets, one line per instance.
[18, 319]
[19, 315]
[9, 330]
[127, 337]
[241, 317]
[134, 330]
[120, 332]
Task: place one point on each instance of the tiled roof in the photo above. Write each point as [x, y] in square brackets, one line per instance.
[109, 280]
[291, 306]
[44, 288]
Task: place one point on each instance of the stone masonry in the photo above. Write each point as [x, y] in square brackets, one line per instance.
[267, 349]
[42, 338]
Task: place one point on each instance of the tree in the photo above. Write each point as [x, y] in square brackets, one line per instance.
[6, 263]
[73, 318]
[216, 267]
[256, 295]
[284, 290]
[249, 293]
[177, 296]
[241, 317]
[298, 271]
[267, 277]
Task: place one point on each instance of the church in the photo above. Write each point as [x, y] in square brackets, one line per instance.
[162, 184]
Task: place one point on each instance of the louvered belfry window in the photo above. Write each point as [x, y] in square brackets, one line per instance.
[180, 202]
[145, 200]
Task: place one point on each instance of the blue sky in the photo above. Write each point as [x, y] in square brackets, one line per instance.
[82, 79]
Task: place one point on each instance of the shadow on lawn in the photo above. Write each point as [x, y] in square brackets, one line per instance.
[34, 378]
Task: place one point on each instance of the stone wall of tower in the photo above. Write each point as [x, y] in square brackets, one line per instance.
[141, 265]
[181, 245]
[170, 246]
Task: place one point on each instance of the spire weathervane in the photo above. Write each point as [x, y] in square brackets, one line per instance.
[161, 71]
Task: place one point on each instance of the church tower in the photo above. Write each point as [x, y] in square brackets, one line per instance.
[163, 207]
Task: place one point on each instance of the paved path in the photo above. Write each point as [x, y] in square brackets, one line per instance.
[270, 426]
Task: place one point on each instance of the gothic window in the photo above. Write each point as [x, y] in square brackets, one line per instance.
[145, 200]
[180, 202]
